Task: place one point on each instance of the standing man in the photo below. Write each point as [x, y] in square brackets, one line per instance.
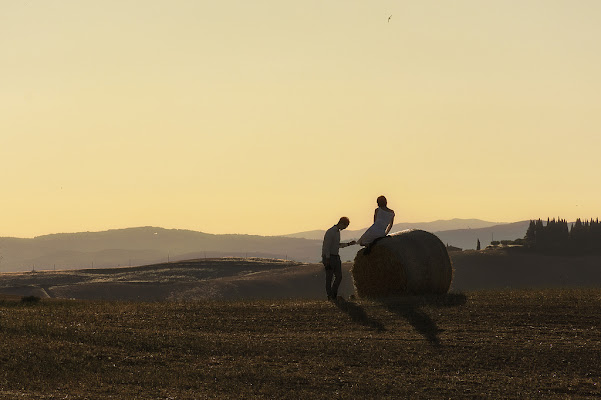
[330, 257]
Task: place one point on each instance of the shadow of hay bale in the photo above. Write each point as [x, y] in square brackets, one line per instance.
[431, 300]
[410, 309]
[407, 262]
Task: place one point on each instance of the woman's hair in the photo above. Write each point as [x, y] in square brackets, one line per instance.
[382, 201]
[344, 221]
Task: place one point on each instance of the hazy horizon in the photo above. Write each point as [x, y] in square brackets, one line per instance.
[271, 117]
[321, 228]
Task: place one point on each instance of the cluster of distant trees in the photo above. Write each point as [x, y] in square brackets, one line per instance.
[556, 236]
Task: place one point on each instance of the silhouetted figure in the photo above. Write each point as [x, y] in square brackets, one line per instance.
[383, 221]
[330, 257]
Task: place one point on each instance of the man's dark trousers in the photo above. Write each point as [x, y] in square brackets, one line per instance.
[335, 270]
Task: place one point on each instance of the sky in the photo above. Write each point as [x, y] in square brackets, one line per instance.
[271, 117]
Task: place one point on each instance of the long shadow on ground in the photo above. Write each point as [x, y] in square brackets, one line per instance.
[358, 314]
[410, 308]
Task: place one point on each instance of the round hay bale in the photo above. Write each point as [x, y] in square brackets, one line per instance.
[24, 291]
[404, 263]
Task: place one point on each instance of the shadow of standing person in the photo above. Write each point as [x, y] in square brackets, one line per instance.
[358, 314]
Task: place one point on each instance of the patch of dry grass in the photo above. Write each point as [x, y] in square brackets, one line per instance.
[501, 344]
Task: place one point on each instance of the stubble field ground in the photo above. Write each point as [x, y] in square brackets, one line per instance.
[483, 344]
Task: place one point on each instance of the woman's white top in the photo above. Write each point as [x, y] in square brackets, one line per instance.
[378, 229]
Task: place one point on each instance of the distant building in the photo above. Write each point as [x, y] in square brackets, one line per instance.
[453, 248]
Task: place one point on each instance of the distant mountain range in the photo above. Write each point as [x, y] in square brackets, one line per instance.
[140, 246]
[149, 245]
[434, 226]
[467, 238]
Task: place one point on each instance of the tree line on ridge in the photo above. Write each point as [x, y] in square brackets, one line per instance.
[582, 237]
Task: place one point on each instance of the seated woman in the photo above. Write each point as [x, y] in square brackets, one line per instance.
[383, 221]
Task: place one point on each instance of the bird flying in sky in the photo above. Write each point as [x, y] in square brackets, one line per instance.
[389, 18]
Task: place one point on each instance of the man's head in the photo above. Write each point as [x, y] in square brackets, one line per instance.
[343, 223]
[382, 202]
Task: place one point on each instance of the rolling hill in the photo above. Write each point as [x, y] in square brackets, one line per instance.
[256, 278]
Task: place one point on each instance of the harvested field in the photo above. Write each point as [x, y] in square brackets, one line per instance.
[492, 344]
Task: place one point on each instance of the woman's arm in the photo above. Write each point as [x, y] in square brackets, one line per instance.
[389, 227]
[375, 214]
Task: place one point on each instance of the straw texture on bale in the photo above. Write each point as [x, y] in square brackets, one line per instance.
[404, 263]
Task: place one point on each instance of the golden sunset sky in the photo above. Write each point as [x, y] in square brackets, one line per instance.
[273, 117]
